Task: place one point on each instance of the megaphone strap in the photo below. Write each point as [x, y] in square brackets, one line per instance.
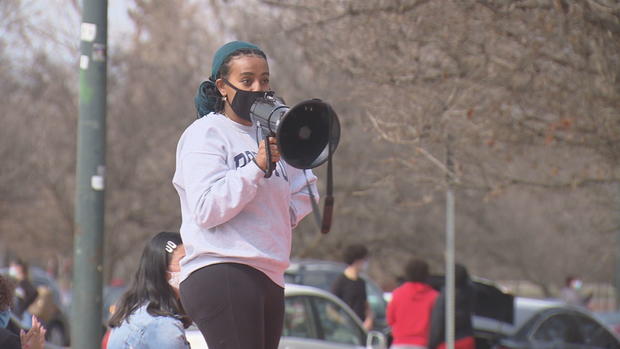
[328, 208]
[324, 222]
[315, 206]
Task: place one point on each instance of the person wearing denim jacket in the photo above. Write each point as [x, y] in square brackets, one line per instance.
[150, 314]
[143, 330]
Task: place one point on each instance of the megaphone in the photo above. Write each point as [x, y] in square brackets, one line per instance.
[307, 134]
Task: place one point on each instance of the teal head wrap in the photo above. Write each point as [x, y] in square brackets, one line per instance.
[206, 96]
[223, 52]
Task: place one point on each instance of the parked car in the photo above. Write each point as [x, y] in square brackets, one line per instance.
[540, 324]
[323, 274]
[56, 319]
[314, 319]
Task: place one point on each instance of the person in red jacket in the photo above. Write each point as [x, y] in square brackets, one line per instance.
[409, 311]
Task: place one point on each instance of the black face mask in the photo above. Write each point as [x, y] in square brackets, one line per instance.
[243, 101]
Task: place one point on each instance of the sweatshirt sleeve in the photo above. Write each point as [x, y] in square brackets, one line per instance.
[215, 192]
[301, 200]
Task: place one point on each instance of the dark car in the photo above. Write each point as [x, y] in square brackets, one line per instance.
[541, 324]
[322, 274]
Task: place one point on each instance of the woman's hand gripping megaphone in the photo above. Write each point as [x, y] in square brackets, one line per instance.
[267, 157]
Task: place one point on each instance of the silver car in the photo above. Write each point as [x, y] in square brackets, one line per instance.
[314, 319]
[323, 274]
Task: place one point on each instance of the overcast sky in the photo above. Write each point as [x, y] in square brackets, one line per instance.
[54, 23]
[118, 22]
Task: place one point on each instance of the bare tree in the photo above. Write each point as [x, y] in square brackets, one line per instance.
[37, 142]
[527, 90]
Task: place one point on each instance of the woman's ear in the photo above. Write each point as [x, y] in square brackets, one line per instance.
[219, 83]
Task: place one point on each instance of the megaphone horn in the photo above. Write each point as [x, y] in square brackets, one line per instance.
[307, 134]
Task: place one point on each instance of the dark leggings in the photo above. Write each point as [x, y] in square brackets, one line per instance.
[235, 306]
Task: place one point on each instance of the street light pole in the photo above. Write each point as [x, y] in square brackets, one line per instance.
[86, 327]
[449, 282]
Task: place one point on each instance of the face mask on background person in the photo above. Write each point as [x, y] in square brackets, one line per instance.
[243, 101]
[175, 279]
[577, 284]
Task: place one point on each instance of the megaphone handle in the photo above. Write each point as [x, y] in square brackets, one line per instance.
[270, 164]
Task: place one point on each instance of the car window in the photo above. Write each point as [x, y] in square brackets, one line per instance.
[319, 278]
[298, 318]
[336, 324]
[561, 328]
[595, 335]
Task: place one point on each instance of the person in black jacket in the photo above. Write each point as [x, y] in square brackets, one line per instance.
[464, 305]
[350, 287]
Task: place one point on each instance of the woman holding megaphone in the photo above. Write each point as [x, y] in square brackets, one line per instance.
[236, 224]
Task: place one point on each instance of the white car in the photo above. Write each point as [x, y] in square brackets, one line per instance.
[323, 274]
[314, 319]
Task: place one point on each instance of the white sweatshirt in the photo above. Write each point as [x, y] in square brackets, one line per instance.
[229, 211]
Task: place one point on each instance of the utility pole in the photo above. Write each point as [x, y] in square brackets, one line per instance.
[86, 327]
[449, 282]
[617, 265]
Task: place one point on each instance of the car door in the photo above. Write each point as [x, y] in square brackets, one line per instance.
[314, 322]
